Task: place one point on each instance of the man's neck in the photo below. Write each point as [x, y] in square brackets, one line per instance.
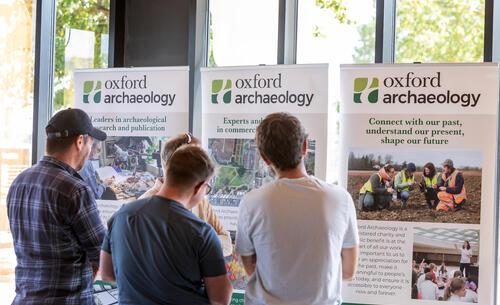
[65, 158]
[296, 173]
[175, 195]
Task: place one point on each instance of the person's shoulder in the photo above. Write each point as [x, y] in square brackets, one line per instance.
[190, 222]
[258, 193]
[134, 207]
[332, 190]
[24, 175]
[175, 209]
[53, 179]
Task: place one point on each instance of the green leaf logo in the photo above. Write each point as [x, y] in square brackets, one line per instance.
[221, 91]
[361, 89]
[92, 91]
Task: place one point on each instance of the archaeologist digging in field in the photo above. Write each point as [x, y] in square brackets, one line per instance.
[405, 182]
[429, 185]
[376, 193]
[452, 194]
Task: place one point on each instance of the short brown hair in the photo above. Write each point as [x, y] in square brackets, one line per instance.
[428, 276]
[174, 143]
[188, 166]
[279, 138]
[59, 145]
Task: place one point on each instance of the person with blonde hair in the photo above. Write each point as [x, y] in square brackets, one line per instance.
[204, 209]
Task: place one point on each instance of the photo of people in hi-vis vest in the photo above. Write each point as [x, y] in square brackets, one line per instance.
[416, 185]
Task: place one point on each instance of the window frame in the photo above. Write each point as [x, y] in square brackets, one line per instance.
[286, 54]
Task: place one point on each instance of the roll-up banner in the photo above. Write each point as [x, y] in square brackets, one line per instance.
[419, 147]
[139, 109]
[234, 102]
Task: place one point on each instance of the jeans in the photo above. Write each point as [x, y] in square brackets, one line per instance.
[404, 196]
[370, 202]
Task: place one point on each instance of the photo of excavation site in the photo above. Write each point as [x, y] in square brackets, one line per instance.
[390, 185]
[240, 169]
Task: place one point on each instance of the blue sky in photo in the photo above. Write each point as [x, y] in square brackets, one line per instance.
[461, 158]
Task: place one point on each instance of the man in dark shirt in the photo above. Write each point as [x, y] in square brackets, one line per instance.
[54, 220]
[160, 252]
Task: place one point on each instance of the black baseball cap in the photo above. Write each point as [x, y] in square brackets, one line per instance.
[72, 122]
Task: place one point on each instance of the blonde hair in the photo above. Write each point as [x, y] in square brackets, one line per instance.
[175, 143]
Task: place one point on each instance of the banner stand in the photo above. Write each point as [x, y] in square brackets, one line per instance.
[420, 148]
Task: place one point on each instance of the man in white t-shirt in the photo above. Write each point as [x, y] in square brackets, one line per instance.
[428, 288]
[297, 236]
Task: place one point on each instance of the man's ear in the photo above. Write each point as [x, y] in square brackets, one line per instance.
[80, 142]
[266, 160]
[305, 144]
[197, 188]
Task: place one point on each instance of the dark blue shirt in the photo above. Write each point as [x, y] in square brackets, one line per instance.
[57, 234]
[90, 177]
[161, 253]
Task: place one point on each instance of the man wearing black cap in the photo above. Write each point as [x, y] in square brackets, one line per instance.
[54, 220]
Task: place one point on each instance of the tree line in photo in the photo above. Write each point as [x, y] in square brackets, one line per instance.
[371, 161]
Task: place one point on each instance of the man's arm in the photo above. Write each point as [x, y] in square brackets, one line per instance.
[213, 268]
[106, 267]
[87, 225]
[244, 243]
[349, 263]
[249, 263]
[350, 246]
[398, 182]
[377, 187]
[222, 233]
[219, 289]
[459, 184]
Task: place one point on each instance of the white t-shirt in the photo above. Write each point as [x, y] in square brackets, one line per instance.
[429, 290]
[465, 256]
[420, 280]
[297, 228]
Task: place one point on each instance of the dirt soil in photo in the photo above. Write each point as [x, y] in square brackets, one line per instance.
[417, 209]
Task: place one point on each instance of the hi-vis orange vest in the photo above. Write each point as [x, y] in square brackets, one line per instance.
[450, 182]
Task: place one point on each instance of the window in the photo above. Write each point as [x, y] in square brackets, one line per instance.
[243, 32]
[439, 31]
[81, 40]
[335, 32]
[16, 117]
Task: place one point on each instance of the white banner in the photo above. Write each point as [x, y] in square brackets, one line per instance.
[139, 109]
[235, 100]
[419, 118]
